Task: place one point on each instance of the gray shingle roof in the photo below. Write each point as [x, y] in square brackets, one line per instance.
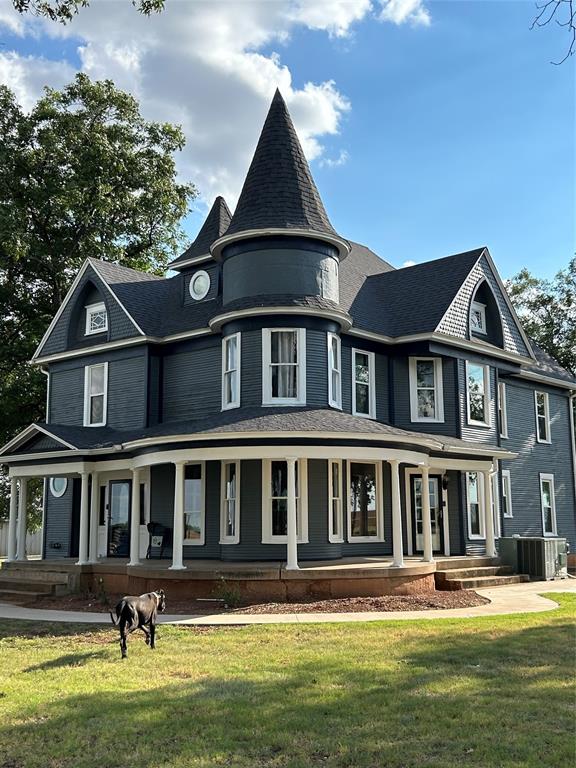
[547, 366]
[215, 226]
[279, 192]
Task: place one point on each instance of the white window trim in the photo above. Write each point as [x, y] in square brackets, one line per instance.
[438, 390]
[91, 309]
[267, 398]
[503, 409]
[496, 511]
[547, 477]
[267, 536]
[482, 535]
[548, 439]
[480, 307]
[200, 542]
[235, 403]
[371, 383]
[224, 539]
[332, 538]
[507, 484]
[334, 398]
[87, 369]
[58, 494]
[487, 398]
[379, 504]
[203, 294]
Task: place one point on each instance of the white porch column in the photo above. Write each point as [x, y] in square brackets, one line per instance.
[84, 521]
[397, 542]
[488, 516]
[12, 520]
[428, 556]
[94, 514]
[292, 545]
[135, 519]
[21, 538]
[178, 531]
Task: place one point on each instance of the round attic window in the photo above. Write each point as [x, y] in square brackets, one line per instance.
[58, 486]
[200, 285]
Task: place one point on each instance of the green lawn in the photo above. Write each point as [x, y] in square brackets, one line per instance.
[484, 692]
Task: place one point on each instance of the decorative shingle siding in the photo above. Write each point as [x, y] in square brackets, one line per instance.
[455, 322]
[192, 380]
[64, 336]
[535, 457]
[40, 444]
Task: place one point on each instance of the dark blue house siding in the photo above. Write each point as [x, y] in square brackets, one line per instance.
[67, 334]
[126, 388]
[58, 524]
[534, 458]
[192, 380]
[401, 379]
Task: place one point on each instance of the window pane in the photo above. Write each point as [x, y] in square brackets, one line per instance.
[192, 526]
[231, 354]
[284, 381]
[542, 432]
[363, 499]
[473, 487]
[335, 517]
[361, 367]
[279, 479]
[476, 378]
[193, 488]
[425, 373]
[96, 409]
[335, 480]
[426, 403]
[97, 380]
[334, 357]
[279, 517]
[546, 494]
[362, 398]
[475, 519]
[231, 517]
[97, 320]
[540, 402]
[477, 412]
[335, 385]
[284, 347]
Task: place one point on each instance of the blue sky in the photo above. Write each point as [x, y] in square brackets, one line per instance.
[428, 134]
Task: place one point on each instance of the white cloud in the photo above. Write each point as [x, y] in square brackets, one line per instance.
[329, 162]
[205, 65]
[409, 263]
[400, 11]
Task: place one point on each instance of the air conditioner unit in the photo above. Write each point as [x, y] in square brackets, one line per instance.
[543, 558]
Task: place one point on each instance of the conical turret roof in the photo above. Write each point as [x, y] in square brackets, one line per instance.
[279, 192]
[214, 226]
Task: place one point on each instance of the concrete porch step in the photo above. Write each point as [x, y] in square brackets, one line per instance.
[19, 596]
[468, 573]
[477, 582]
[466, 561]
[27, 585]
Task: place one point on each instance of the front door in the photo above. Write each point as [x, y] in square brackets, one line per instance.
[119, 502]
[435, 513]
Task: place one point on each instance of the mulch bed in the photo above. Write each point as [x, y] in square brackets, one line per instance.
[423, 602]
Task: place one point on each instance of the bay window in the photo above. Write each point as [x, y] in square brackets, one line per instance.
[478, 392]
[364, 501]
[275, 501]
[426, 389]
[231, 372]
[95, 395]
[334, 371]
[284, 366]
[363, 384]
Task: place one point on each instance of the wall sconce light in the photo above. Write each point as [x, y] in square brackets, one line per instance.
[445, 479]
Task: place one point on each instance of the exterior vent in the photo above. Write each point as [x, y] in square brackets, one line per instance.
[543, 558]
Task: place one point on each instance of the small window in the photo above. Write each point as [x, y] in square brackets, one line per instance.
[334, 371]
[335, 517]
[363, 389]
[275, 501]
[426, 389]
[478, 383]
[95, 394]
[475, 499]
[194, 504]
[502, 410]
[478, 318]
[58, 486]
[496, 504]
[231, 372]
[506, 494]
[364, 502]
[230, 513]
[548, 502]
[199, 285]
[96, 318]
[284, 366]
[542, 417]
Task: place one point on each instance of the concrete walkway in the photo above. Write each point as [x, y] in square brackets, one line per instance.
[516, 598]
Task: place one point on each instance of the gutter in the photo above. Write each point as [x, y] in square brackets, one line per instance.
[572, 405]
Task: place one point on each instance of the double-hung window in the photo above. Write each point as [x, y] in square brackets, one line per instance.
[426, 390]
[542, 417]
[506, 494]
[194, 504]
[475, 503]
[363, 384]
[502, 410]
[478, 391]
[548, 503]
[96, 318]
[284, 366]
[335, 516]
[231, 371]
[275, 501]
[230, 495]
[95, 395]
[364, 501]
[334, 371]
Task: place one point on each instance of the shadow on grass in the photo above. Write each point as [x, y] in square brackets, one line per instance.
[30, 630]
[447, 699]
[67, 661]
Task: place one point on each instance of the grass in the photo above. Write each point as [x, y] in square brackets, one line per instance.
[490, 693]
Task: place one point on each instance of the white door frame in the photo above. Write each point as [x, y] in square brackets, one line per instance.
[408, 473]
[104, 479]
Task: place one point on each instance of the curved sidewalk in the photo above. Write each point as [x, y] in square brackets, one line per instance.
[517, 598]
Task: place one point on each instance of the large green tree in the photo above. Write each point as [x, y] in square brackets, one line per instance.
[82, 174]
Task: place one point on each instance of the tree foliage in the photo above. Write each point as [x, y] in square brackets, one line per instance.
[83, 174]
[65, 10]
[547, 309]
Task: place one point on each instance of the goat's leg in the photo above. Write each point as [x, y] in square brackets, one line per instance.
[152, 634]
[123, 636]
[147, 633]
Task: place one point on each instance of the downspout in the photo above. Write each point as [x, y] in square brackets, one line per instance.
[572, 405]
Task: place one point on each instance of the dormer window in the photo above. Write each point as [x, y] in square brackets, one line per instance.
[478, 317]
[96, 318]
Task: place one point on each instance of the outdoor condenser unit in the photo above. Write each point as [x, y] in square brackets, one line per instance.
[543, 558]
